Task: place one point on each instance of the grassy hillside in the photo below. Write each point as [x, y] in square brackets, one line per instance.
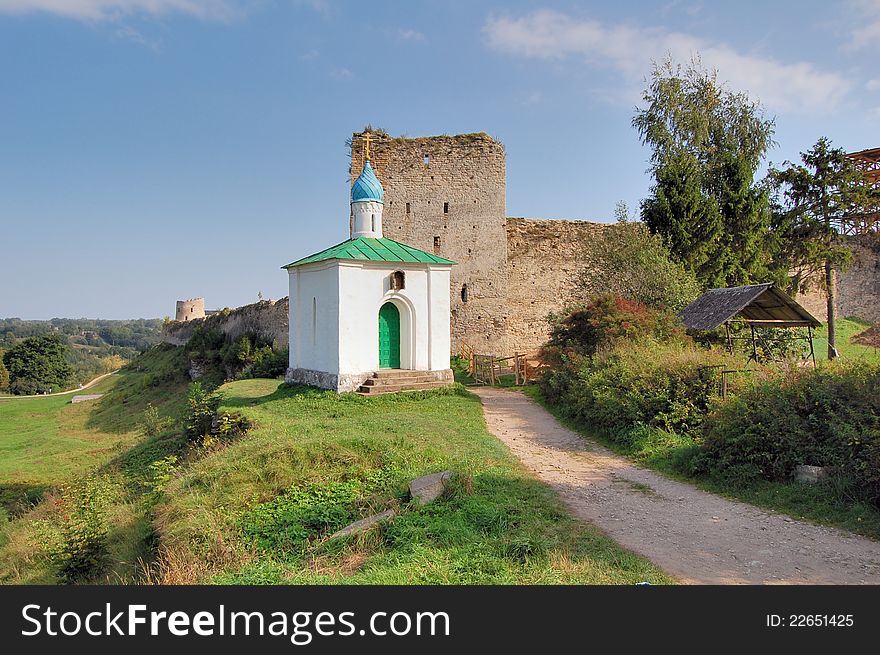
[259, 508]
[241, 515]
[48, 444]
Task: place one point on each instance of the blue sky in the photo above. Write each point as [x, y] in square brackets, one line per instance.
[152, 150]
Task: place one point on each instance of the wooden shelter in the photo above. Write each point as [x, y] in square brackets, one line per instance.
[755, 305]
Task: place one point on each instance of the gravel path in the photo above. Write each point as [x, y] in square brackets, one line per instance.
[694, 535]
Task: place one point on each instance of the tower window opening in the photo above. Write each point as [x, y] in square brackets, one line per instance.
[436, 245]
[398, 280]
[464, 293]
[407, 208]
[427, 159]
[445, 207]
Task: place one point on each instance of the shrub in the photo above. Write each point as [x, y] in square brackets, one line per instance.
[670, 387]
[823, 417]
[78, 547]
[606, 320]
[203, 405]
[154, 424]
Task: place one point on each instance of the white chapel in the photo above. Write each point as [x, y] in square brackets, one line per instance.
[369, 314]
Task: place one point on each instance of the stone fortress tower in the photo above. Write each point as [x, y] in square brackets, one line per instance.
[187, 310]
[447, 195]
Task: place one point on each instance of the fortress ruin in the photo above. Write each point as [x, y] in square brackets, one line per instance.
[447, 195]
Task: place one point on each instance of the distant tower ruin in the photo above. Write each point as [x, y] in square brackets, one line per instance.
[187, 310]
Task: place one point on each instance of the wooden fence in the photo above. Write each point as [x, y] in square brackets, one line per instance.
[488, 369]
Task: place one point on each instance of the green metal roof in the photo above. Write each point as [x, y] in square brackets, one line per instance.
[372, 250]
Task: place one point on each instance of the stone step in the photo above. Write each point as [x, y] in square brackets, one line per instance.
[375, 390]
[397, 373]
[401, 379]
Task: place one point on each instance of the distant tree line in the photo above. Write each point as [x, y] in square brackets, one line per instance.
[39, 356]
[135, 334]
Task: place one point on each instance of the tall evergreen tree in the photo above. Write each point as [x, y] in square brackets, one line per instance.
[707, 143]
[814, 200]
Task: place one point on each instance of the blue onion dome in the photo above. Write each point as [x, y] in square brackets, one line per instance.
[367, 186]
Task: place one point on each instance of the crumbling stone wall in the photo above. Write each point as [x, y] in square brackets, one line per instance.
[446, 194]
[267, 319]
[545, 259]
[858, 289]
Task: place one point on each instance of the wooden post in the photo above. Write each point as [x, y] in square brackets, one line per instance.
[729, 337]
[812, 352]
[754, 345]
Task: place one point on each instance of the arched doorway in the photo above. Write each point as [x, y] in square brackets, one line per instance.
[389, 336]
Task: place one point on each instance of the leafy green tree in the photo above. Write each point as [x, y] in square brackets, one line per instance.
[37, 364]
[628, 261]
[813, 200]
[4, 374]
[707, 143]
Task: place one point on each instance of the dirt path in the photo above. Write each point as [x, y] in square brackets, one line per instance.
[88, 384]
[696, 536]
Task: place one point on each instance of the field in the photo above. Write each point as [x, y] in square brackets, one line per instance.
[259, 508]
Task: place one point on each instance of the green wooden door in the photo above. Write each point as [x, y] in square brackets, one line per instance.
[389, 336]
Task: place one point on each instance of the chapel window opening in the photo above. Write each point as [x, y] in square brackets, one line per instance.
[398, 281]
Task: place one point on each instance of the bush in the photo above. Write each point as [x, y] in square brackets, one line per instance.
[823, 417]
[154, 424]
[203, 405]
[79, 547]
[669, 387]
[606, 320]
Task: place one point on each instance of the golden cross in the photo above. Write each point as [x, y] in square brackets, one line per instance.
[367, 146]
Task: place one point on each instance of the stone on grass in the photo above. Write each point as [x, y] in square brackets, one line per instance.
[429, 487]
[364, 524]
[83, 398]
[809, 474]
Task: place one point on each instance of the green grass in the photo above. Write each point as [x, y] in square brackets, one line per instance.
[847, 328]
[498, 525]
[495, 525]
[46, 440]
[49, 442]
[665, 452]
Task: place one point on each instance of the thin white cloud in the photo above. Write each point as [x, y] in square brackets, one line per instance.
[108, 10]
[341, 73]
[410, 35]
[128, 33]
[873, 85]
[629, 50]
[865, 31]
